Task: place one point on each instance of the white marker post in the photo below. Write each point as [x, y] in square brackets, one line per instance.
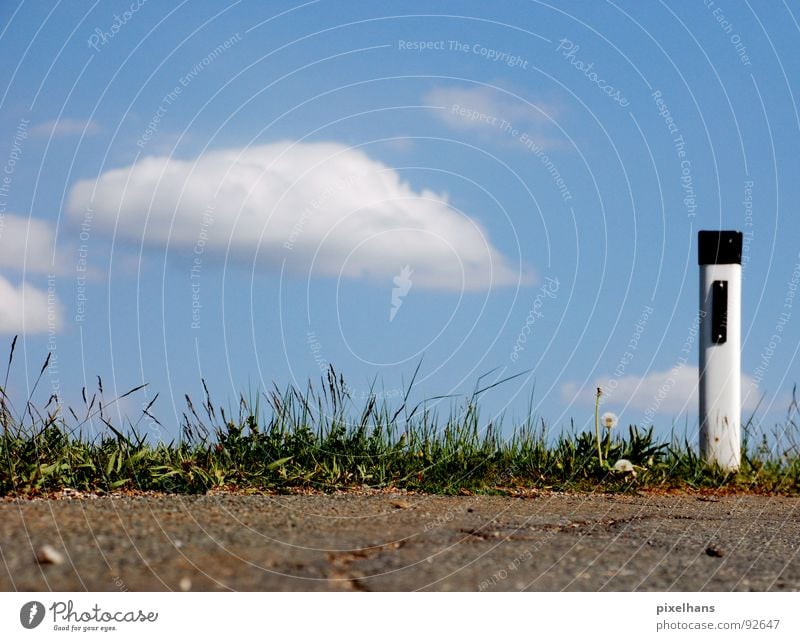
[720, 259]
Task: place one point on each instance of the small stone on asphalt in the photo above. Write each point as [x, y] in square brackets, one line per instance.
[48, 555]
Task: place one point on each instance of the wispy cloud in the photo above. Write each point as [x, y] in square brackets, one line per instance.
[671, 391]
[319, 208]
[66, 127]
[494, 114]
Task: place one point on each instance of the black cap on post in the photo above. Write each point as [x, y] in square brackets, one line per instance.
[719, 247]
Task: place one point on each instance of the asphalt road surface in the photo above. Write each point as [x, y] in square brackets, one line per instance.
[545, 542]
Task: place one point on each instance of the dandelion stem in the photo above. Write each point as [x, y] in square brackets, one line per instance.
[597, 425]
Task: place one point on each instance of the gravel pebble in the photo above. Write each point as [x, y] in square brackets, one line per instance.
[48, 555]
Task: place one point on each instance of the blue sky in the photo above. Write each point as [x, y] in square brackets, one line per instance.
[247, 192]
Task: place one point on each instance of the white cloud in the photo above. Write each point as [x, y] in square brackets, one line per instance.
[322, 207]
[26, 245]
[671, 391]
[28, 310]
[66, 127]
[485, 110]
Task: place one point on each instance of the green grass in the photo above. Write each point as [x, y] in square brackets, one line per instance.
[318, 439]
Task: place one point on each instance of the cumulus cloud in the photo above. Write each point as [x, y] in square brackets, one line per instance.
[26, 247]
[671, 391]
[322, 208]
[66, 127]
[27, 310]
[493, 113]
[27, 244]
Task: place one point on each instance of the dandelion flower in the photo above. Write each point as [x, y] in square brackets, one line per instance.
[609, 420]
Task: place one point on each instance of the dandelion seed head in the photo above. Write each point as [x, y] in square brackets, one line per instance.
[623, 465]
[609, 420]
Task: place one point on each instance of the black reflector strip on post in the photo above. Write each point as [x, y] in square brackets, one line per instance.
[719, 312]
